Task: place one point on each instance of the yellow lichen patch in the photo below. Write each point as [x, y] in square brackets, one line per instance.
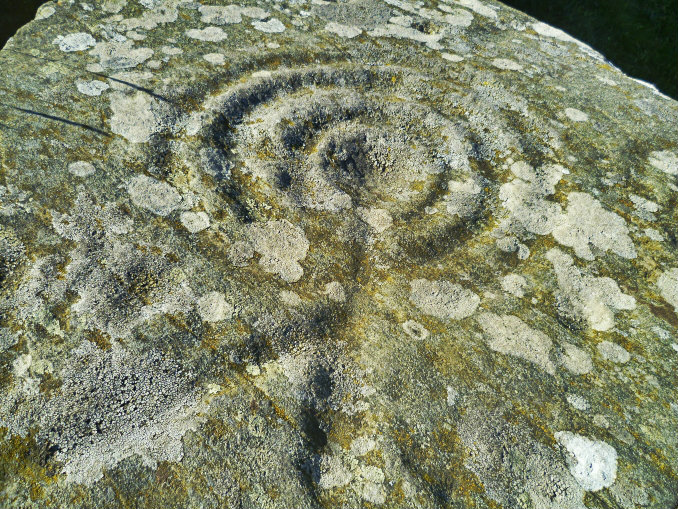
[99, 338]
[21, 463]
[49, 384]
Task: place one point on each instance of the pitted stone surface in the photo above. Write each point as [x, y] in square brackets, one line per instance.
[365, 253]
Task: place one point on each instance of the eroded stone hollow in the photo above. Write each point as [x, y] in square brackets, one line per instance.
[357, 254]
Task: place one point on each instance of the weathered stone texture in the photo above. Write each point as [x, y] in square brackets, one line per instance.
[332, 254]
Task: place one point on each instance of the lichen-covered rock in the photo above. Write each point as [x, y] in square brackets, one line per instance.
[361, 253]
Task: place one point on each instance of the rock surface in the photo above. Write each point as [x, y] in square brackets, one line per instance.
[332, 254]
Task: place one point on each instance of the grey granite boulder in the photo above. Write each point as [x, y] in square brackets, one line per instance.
[306, 254]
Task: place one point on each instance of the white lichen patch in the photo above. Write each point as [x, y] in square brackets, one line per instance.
[195, 222]
[645, 209]
[79, 41]
[346, 31]
[606, 80]
[113, 6]
[452, 57]
[92, 88]
[134, 35]
[362, 445]
[254, 12]
[152, 443]
[556, 33]
[661, 333]
[335, 291]
[514, 284]
[272, 26]
[524, 197]
[21, 365]
[593, 463]
[290, 298]
[593, 298]
[333, 473]
[81, 168]
[240, 253]
[601, 421]
[550, 31]
[215, 58]
[509, 335]
[510, 244]
[209, 34]
[253, 369]
[463, 197]
[213, 307]
[281, 246]
[653, 234]
[100, 418]
[401, 32]
[134, 116]
[586, 225]
[7, 339]
[458, 18]
[443, 299]
[576, 115]
[162, 13]
[44, 12]
[371, 487]
[578, 402]
[576, 360]
[379, 219]
[21, 368]
[403, 21]
[665, 161]
[668, 287]
[479, 7]
[229, 14]
[452, 395]
[171, 50]
[644, 204]
[158, 197]
[506, 64]
[415, 330]
[613, 352]
[120, 54]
